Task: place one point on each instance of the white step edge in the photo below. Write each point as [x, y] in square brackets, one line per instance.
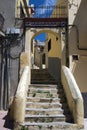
[42, 109]
[44, 116]
[43, 98]
[63, 123]
[42, 103]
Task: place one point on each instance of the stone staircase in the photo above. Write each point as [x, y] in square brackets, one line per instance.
[41, 76]
[46, 107]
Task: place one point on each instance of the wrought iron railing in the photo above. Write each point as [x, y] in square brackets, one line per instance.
[44, 11]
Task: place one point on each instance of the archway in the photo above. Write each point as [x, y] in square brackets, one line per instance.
[48, 55]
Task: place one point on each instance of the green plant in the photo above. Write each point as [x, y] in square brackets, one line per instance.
[49, 95]
[47, 92]
[50, 100]
[34, 94]
[39, 91]
[24, 128]
[40, 127]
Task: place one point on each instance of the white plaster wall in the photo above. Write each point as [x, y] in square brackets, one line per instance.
[78, 36]
[77, 16]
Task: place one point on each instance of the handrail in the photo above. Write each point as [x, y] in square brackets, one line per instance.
[18, 105]
[74, 97]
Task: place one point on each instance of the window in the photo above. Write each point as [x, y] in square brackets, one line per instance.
[49, 45]
[75, 57]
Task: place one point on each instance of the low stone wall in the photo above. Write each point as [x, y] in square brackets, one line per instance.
[24, 61]
[18, 106]
[74, 97]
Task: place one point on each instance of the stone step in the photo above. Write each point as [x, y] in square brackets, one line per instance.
[38, 99]
[43, 86]
[44, 109]
[42, 92]
[41, 76]
[51, 126]
[46, 88]
[43, 82]
[32, 89]
[43, 105]
[39, 70]
[44, 118]
[44, 79]
[46, 94]
[33, 72]
[41, 111]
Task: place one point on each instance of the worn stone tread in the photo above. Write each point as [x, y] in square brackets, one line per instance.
[49, 124]
[42, 89]
[45, 94]
[44, 116]
[41, 109]
[37, 98]
[46, 103]
[43, 85]
[44, 100]
[52, 126]
[43, 82]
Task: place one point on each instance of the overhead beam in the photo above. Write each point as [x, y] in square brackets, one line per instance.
[45, 22]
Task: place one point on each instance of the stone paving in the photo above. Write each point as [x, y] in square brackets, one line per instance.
[5, 123]
[85, 122]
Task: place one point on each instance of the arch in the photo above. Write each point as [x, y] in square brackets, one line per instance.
[52, 58]
[39, 31]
